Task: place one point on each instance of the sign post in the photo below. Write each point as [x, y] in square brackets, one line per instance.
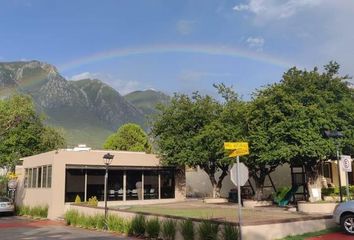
[239, 149]
[346, 165]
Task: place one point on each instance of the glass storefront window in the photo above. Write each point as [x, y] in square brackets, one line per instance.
[167, 184]
[95, 183]
[134, 185]
[74, 184]
[151, 185]
[115, 185]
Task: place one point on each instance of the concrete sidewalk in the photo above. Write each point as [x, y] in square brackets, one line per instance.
[23, 228]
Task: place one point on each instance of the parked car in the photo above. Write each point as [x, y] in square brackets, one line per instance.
[6, 205]
[344, 215]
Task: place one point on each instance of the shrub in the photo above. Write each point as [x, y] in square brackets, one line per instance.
[187, 230]
[77, 199]
[36, 211]
[330, 191]
[208, 230]
[230, 232]
[90, 222]
[117, 224]
[71, 217]
[23, 210]
[138, 225]
[93, 201]
[39, 211]
[168, 229]
[100, 221]
[153, 228]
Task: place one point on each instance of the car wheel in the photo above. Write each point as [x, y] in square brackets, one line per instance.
[347, 223]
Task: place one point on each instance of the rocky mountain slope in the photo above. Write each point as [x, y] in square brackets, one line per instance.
[87, 110]
[147, 100]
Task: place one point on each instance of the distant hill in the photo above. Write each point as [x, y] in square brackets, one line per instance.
[87, 110]
[147, 100]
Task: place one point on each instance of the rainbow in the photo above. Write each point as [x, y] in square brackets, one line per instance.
[234, 52]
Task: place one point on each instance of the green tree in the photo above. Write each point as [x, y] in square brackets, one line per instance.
[191, 131]
[22, 132]
[129, 137]
[286, 122]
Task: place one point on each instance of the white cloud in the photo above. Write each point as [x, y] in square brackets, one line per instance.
[84, 75]
[275, 9]
[184, 27]
[122, 86]
[255, 43]
[242, 7]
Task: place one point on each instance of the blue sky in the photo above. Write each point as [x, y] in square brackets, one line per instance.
[266, 37]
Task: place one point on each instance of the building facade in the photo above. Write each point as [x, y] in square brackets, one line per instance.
[58, 177]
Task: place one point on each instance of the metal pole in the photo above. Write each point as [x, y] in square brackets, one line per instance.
[347, 188]
[239, 196]
[339, 178]
[105, 197]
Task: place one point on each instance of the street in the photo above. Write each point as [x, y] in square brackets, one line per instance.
[14, 227]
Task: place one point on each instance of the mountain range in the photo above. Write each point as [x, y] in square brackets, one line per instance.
[87, 110]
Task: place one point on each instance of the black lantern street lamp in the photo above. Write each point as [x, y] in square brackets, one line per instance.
[107, 160]
[336, 134]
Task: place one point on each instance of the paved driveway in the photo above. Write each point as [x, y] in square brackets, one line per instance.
[13, 227]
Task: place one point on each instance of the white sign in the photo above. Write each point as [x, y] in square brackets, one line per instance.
[243, 174]
[346, 163]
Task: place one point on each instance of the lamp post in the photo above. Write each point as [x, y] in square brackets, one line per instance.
[336, 134]
[107, 160]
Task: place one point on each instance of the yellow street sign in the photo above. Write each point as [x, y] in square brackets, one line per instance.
[239, 152]
[236, 145]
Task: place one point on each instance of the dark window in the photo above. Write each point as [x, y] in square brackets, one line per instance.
[40, 177]
[95, 183]
[167, 184]
[134, 185]
[327, 172]
[74, 184]
[115, 185]
[26, 178]
[49, 180]
[30, 177]
[34, 177]
[44, 185]
[151, 185]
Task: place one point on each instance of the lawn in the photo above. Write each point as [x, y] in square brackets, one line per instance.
[221, 212]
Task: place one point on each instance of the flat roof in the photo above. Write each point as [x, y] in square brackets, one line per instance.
[92, 157]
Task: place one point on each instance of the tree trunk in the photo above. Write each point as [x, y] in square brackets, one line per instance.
[259, 194]
[217, 185]
[314, 183]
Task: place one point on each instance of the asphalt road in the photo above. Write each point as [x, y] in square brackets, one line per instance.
[13, 228]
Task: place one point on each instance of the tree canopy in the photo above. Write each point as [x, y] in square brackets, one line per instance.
[286, 121]
[129, 137]
[191, 131]
[283, 122]
[22, 132]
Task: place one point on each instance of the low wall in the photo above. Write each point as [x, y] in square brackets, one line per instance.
[321, 208]
[262, 231]
[281, 230]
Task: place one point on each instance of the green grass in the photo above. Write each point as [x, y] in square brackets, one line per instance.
[206, 212]
[312, 234]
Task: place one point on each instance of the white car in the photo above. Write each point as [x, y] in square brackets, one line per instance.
[6, 205]
[344, 215]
